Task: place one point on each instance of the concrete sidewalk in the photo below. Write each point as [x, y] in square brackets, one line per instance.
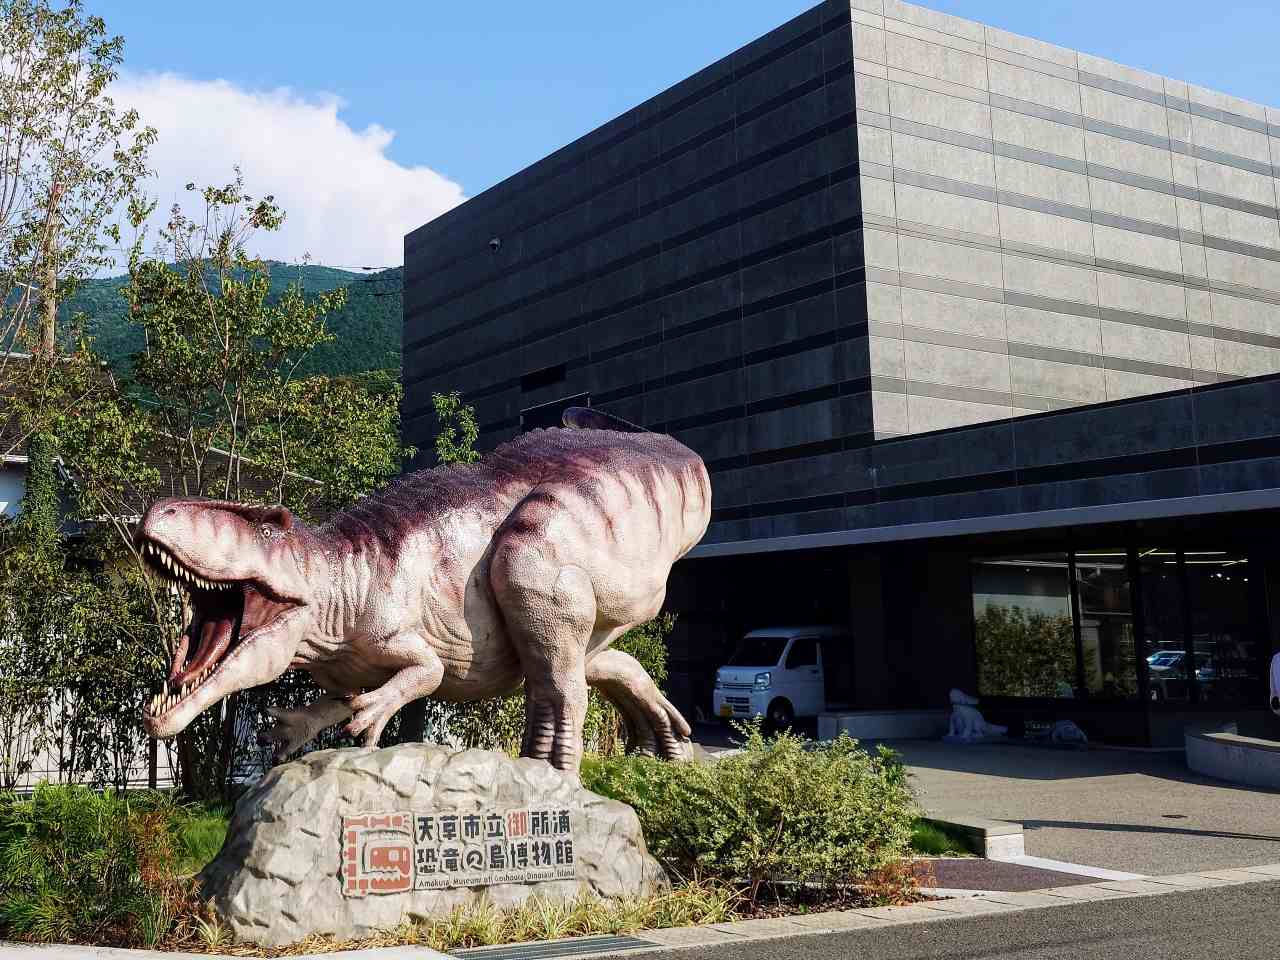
[1134, 811]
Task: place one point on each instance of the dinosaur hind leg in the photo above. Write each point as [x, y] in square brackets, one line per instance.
[654, 726]
[550, 612]
[294, 729]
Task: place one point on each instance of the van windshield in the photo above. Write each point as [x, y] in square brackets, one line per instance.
[758, 652]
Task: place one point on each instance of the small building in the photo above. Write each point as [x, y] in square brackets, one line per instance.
[979, 337]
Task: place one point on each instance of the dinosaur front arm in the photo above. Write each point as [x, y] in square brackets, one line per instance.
[419, 676]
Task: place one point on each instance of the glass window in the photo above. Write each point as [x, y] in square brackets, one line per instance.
[758, 652]
[1163, 623]
[804, 653]
[1107, 638]
[1228, 657]
[1022, 626]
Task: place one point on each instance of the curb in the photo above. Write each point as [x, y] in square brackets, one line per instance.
[740, 931]
[992, 839]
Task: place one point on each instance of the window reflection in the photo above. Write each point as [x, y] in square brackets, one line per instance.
[1106, 624]
[1022, 626]
[1228, 658]
[1163, 623]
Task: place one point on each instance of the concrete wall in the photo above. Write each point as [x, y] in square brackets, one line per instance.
[1046, 229]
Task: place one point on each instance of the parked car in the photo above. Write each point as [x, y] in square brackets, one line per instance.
[779, 673]
[1168, 677]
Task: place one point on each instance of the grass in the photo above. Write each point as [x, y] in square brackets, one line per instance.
[931, 840]
[200, 833]
[483, 924]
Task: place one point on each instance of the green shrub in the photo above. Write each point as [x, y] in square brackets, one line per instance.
[776, 811]
[88, 867]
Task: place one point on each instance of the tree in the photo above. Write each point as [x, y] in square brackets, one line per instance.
[69, 160]
[214, 400]
[457, 433]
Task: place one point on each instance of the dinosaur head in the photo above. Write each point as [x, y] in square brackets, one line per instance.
[244, 571]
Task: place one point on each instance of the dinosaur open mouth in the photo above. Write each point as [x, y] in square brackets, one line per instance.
[223, 615]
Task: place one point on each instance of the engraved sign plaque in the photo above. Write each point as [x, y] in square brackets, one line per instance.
[387, 853]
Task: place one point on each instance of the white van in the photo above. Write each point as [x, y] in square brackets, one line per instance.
[780, 673]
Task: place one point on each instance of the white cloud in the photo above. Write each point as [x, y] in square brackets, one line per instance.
[347, 202]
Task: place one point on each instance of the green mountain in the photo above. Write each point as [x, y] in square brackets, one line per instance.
[367, 330]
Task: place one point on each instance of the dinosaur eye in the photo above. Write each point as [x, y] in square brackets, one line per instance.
[267, 531]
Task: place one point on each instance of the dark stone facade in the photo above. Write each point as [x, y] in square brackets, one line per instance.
[697, 266]
[694, 265]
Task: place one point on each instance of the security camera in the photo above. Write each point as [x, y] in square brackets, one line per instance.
[494, 244]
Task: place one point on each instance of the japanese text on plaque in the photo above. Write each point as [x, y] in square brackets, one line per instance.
[398, 852]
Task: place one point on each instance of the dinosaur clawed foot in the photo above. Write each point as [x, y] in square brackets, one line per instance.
[294, 729]
[372, 711]
[288, 734]
[655, 728]
[550, 732]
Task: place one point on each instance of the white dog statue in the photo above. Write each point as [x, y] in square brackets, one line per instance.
[967, 724]
[1275, 684]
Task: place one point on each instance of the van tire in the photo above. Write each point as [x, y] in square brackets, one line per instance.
[780, 716]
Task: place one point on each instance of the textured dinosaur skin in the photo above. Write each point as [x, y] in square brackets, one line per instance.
[457, 583]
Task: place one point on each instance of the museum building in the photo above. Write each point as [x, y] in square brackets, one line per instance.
[978, 337]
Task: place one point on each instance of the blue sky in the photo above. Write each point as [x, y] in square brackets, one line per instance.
[475, 91]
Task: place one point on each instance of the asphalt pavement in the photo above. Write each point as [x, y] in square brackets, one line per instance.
[1225, 923]
[1134, 811]
[1128, 810]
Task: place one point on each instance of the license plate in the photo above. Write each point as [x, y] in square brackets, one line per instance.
[726, 710]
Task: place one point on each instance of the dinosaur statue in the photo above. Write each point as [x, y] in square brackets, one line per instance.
[1275, 684]
[457, 583]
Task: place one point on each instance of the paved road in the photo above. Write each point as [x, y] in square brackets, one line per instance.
[1127, 810]
[1226, 923]
[1130, 810]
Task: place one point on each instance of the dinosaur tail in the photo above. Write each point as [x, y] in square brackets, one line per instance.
[585, 418]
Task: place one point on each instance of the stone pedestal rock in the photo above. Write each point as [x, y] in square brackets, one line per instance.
[279, 876]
